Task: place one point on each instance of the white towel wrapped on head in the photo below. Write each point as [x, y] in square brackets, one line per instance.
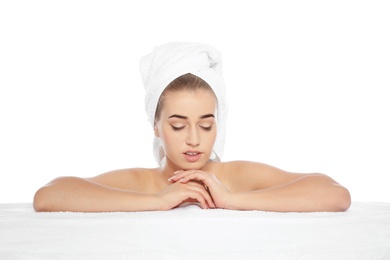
[172, 60]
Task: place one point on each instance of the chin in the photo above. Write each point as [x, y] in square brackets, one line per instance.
[185, 165]
[192, 166]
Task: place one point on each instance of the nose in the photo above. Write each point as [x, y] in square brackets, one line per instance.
[193, 138]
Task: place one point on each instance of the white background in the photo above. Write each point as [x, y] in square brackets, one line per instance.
[307, 84]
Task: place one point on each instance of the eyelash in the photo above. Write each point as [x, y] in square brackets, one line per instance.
[177, 128]
[207, 128]
[182, 127]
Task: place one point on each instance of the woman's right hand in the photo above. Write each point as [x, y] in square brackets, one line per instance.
[178, 193]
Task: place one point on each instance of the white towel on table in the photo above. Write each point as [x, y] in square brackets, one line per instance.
[172, 60]
[188, 232]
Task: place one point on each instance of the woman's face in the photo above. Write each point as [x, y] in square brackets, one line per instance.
[187, 128]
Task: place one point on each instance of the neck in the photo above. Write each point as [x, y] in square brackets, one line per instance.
[168, 168]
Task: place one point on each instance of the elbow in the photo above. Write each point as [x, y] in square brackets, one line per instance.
[40, 202]
[343, 199]
[334, 197]
[50, 197]
[338, 198]
[44, 200]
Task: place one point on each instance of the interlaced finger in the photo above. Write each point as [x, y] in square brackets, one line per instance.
[199, 188]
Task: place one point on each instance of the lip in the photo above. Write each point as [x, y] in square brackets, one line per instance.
[192, 156]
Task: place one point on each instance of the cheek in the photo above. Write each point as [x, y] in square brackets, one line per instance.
[168, 138]
[208, 139]
[213, 137]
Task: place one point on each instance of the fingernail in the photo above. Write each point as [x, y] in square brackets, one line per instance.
[176, 172]
[171, 178]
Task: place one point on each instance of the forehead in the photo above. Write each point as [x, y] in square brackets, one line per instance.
[190, 102]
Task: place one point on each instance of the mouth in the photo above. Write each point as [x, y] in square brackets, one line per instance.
[192, 156]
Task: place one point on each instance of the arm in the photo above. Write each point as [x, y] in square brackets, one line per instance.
[78, 194]
[311, 192]
[86, 195]
[273, 189]
[256, 186]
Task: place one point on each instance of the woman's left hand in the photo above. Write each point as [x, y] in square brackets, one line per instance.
[218, 192]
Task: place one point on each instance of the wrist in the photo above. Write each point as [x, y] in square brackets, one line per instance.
[143, 202]
[232, 201]
[156, 203]
[242, 201]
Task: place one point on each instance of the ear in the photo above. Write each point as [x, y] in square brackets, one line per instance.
[156, 133]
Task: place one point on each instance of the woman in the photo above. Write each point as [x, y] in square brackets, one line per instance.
[185, 104]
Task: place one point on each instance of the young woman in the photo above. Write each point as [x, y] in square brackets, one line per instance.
[187, 114]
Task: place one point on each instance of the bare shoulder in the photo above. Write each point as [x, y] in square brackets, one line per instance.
[247, 175]
[136, 179]
[244, 167]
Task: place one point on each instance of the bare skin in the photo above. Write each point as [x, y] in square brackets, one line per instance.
[188, 136]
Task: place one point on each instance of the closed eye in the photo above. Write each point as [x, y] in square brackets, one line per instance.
[207, 128]
[177, 128]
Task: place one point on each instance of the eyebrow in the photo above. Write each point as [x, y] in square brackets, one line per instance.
[184, 117]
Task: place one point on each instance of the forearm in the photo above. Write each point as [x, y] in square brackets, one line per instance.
[76, 194]
[307, 194]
